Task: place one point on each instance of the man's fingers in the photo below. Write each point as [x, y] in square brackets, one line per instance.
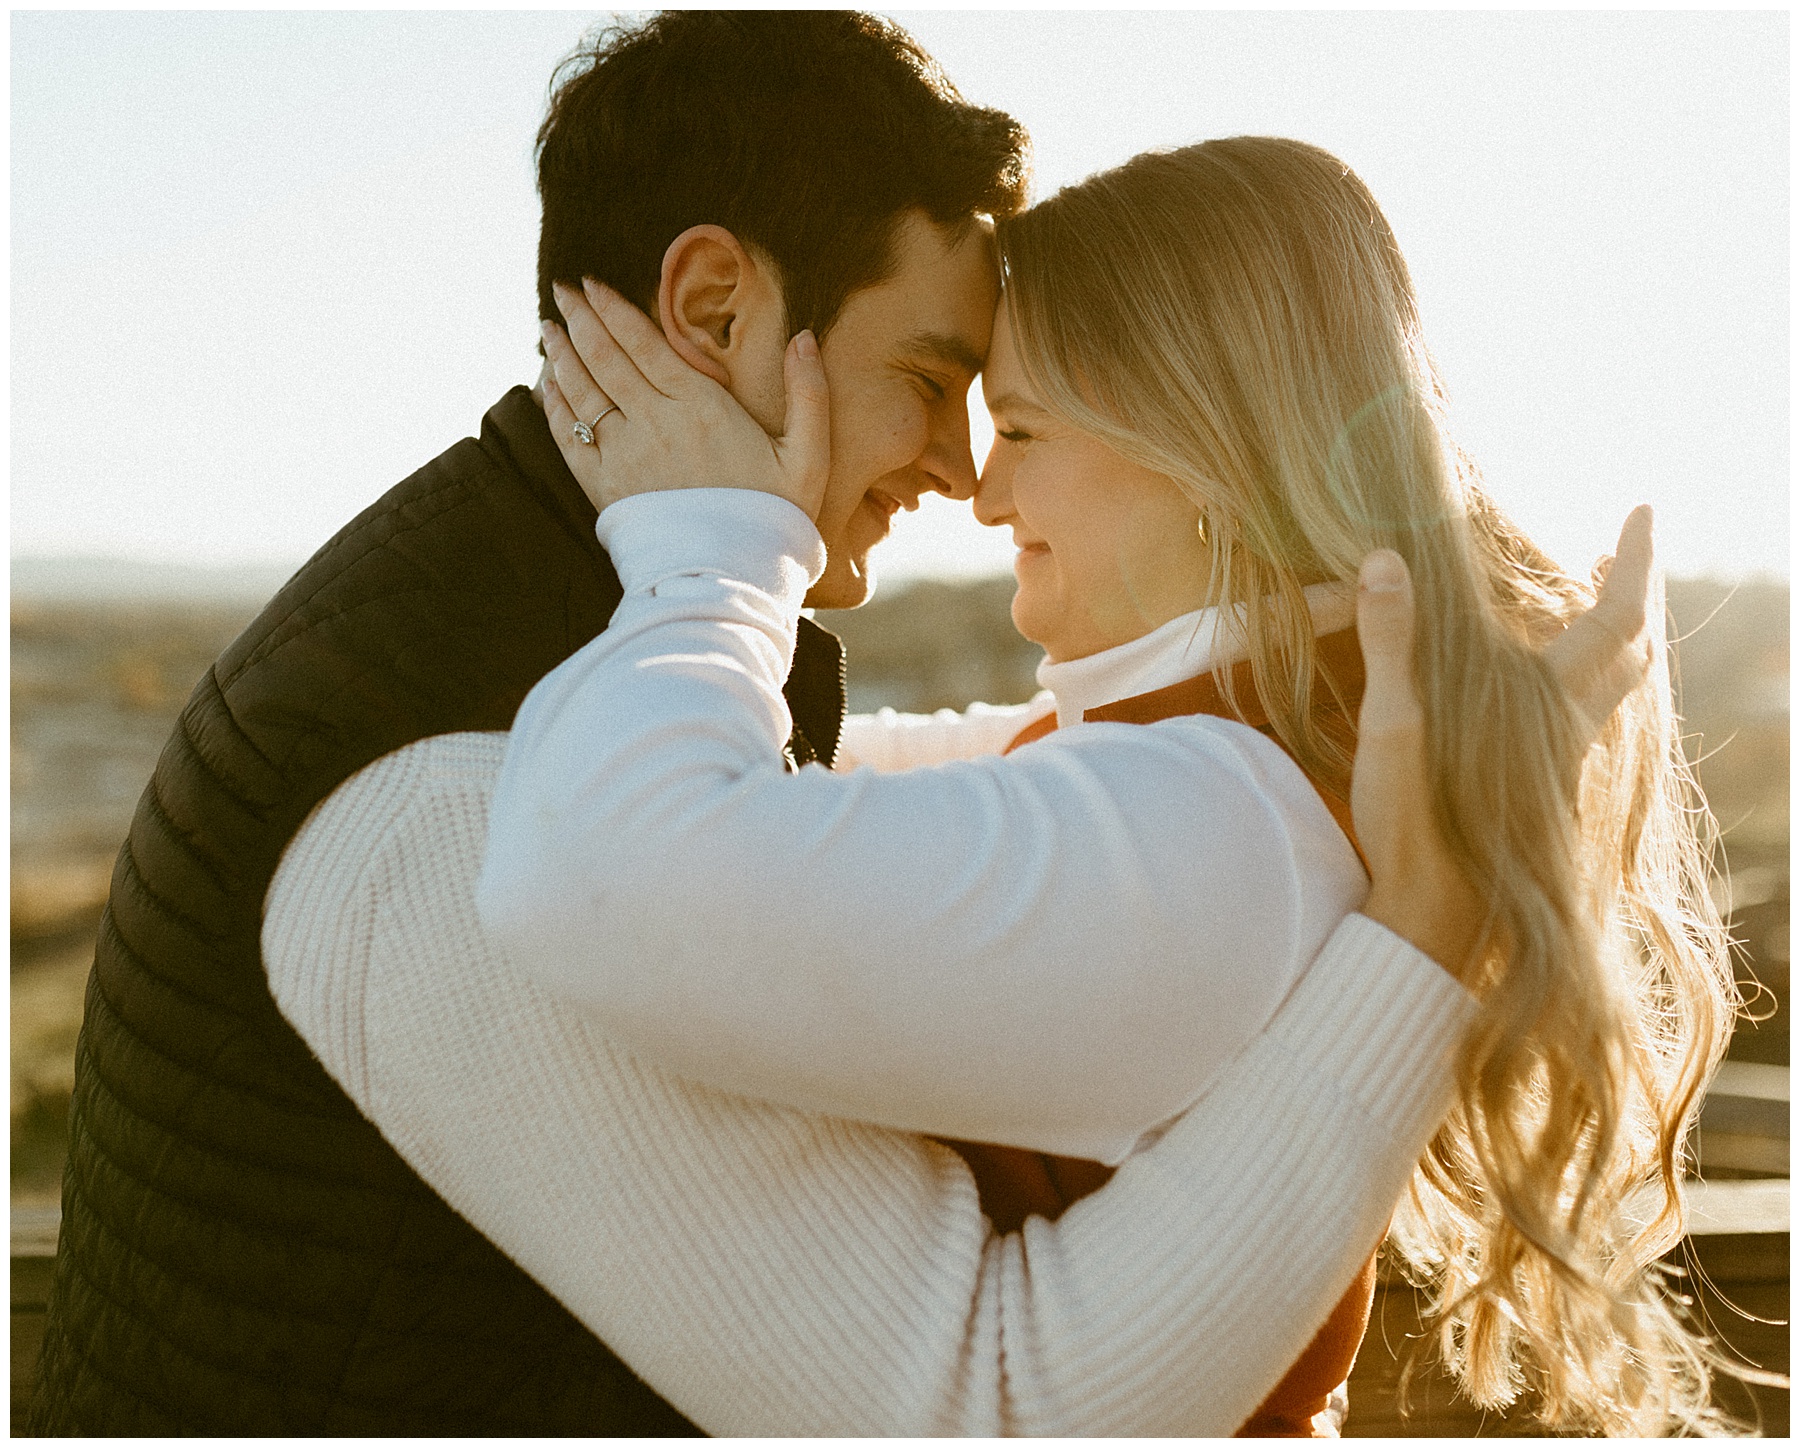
[1384, 625]
[640, 340]
[805, 445]
[1624, 601]
[1603, 655]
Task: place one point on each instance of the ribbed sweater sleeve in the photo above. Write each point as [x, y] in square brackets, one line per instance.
[777, 1273]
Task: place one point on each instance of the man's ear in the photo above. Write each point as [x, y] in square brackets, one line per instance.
[721, 308]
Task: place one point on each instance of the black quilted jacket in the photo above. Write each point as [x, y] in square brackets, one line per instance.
[241, 1252]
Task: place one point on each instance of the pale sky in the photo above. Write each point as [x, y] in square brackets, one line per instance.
[266, 264]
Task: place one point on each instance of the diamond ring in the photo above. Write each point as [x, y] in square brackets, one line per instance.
[584, 431]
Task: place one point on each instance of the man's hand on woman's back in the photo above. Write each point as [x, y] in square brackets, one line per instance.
[1416, 889]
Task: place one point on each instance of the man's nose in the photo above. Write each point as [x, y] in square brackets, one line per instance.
[948, 460]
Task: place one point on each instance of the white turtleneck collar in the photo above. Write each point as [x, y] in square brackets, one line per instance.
[1180, 649]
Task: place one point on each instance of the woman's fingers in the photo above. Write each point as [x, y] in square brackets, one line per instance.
[695, 435]
[585, 399]
[556, 411]
[583, 461]
[640, 341]
[804, 448]
[612, 371]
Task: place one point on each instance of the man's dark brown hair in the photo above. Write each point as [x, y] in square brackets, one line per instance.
[805, 133]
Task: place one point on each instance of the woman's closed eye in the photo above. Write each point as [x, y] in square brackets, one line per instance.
[1012, 434]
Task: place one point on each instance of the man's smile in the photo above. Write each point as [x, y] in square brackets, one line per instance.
[890, 503]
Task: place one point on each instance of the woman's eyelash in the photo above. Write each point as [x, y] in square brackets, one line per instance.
[1013, 435]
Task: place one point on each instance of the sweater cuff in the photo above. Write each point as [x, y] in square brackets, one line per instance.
[737, 533]
[1369, 985]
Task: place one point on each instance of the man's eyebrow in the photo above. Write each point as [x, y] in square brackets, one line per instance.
[945, 347]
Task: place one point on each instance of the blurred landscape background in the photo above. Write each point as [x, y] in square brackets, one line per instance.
[103, 660]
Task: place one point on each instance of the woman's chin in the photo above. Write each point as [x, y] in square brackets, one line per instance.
[1031, 618]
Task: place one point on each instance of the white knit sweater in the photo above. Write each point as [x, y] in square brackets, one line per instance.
[1059, 950]
[772, 1272]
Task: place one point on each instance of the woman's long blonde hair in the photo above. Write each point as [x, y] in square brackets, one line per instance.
[1238, 316]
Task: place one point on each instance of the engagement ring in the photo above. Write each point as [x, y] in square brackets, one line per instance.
[584, 431]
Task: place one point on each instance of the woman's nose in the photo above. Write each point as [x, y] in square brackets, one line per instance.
[993, 489]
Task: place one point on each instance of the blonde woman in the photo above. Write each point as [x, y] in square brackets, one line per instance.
[1212, 400]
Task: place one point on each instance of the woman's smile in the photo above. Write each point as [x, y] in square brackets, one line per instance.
[1107, 549]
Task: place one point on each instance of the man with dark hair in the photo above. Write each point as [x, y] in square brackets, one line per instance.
[828, 164]
[242, 1251]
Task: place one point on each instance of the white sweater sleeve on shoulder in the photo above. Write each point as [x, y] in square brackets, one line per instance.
[775, 1273]
[1059, 950]
[888, 740]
